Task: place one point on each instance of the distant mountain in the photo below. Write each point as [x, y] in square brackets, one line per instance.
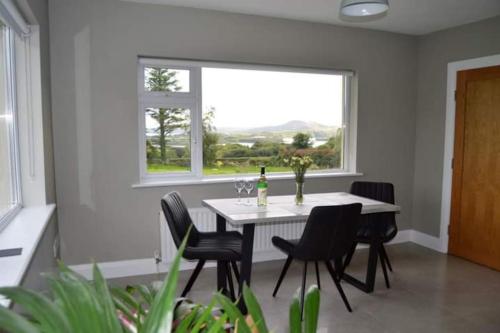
[292, 125]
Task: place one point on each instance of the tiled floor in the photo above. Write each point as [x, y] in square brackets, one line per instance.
[430, 292]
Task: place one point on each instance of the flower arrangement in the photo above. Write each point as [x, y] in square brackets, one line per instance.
[299, 164]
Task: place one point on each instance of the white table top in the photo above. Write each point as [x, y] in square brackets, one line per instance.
[282, 208]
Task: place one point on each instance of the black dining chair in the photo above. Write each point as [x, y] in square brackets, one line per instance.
[328, 236]
[202, 246]
[383, 223]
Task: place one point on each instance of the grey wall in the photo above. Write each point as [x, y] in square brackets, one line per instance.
[94, 50]
[43, 261]
[435, 51]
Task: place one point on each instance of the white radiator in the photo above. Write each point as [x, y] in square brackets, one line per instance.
[205, 220]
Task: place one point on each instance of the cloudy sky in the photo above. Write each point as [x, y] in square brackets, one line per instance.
[250, 98]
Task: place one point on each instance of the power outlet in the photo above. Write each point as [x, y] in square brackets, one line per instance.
[157, 256]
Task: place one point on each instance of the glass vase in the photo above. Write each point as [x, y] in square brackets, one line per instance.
[299, 193]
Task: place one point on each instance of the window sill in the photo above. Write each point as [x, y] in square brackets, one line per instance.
[230, 179]
[25, 231]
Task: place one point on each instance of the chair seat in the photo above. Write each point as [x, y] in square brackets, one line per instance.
[224, 246]
[285, 245]
[365, 232]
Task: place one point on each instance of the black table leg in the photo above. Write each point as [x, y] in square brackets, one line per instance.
[246, 261]
[221, 267]
[371, 272]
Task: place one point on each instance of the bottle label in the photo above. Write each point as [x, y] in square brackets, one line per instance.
[262, 196]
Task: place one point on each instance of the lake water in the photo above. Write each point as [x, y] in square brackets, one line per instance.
[315, 143]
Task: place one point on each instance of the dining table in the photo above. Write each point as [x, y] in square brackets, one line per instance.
[283, 209]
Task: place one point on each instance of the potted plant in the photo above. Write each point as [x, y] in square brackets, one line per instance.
[77, 305]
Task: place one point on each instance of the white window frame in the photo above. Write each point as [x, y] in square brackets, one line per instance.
[193, 101]
[11, 105]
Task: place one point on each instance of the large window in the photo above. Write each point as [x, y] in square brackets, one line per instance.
[9, 166]
[206, 119]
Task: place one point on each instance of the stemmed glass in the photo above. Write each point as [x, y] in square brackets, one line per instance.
[249, 188]
[239, 184]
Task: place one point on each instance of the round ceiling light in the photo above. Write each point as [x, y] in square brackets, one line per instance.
[364, 7]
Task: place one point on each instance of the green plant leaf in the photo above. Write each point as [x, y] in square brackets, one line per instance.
[127, 299]
[106, 301]
[204, 317]
[146, 293]
[126, 311]
[46, 313]
[254, 309]
[311, 309]
[219, 324]
[161, 312]
[186, 322]
[234, 314]
[12, 322]
[78, 299]
[295, 321]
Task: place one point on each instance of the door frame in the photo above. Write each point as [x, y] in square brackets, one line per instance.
[449, 138]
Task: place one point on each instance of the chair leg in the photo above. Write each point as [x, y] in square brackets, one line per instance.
[282, 275]
[303, 291]
[339, 268]
[317, 274]
[235, 270]
[382, 263]
[230, 281]
[386, 257]
[349, 255]
[193, 277]
[337, 284]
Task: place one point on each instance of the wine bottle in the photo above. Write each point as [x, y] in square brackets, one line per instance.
[262, 188]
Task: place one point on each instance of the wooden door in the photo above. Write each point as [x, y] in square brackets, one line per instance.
[475, 203]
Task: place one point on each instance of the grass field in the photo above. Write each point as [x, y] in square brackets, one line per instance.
[224, 170]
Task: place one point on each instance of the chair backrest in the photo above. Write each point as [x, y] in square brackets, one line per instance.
[373, 190]
[381, 192]
[178, 219]
[329, 233]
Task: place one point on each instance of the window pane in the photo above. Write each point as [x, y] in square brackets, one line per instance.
[8, 197]
[168, 140]
[253, 118]
[164, 79]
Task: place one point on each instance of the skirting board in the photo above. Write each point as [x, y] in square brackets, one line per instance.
[134, 267]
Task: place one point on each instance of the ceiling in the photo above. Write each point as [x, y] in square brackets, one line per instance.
[415, 17]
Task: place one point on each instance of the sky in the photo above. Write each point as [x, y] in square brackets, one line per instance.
[256, 98]
[251, 98]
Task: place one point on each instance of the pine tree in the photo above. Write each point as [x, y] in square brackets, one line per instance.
[168, 119]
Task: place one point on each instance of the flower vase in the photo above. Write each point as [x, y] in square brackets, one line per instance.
[299, 193]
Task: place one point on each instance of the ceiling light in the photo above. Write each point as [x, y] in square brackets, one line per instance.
[363, 7]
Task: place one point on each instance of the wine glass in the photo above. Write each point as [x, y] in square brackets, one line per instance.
[249, 188]
[239, 184]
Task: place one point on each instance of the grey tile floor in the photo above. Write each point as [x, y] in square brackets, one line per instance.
[430, 292]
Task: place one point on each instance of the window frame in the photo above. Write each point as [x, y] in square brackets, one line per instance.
[193, 101]
[11, 104]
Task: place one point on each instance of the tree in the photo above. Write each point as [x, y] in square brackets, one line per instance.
[151, 151]
[334, 142]
[168, 119]
[210, 138]
[301, 141]
[265, 148]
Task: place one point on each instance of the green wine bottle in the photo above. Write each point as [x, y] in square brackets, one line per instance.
[262, 188]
